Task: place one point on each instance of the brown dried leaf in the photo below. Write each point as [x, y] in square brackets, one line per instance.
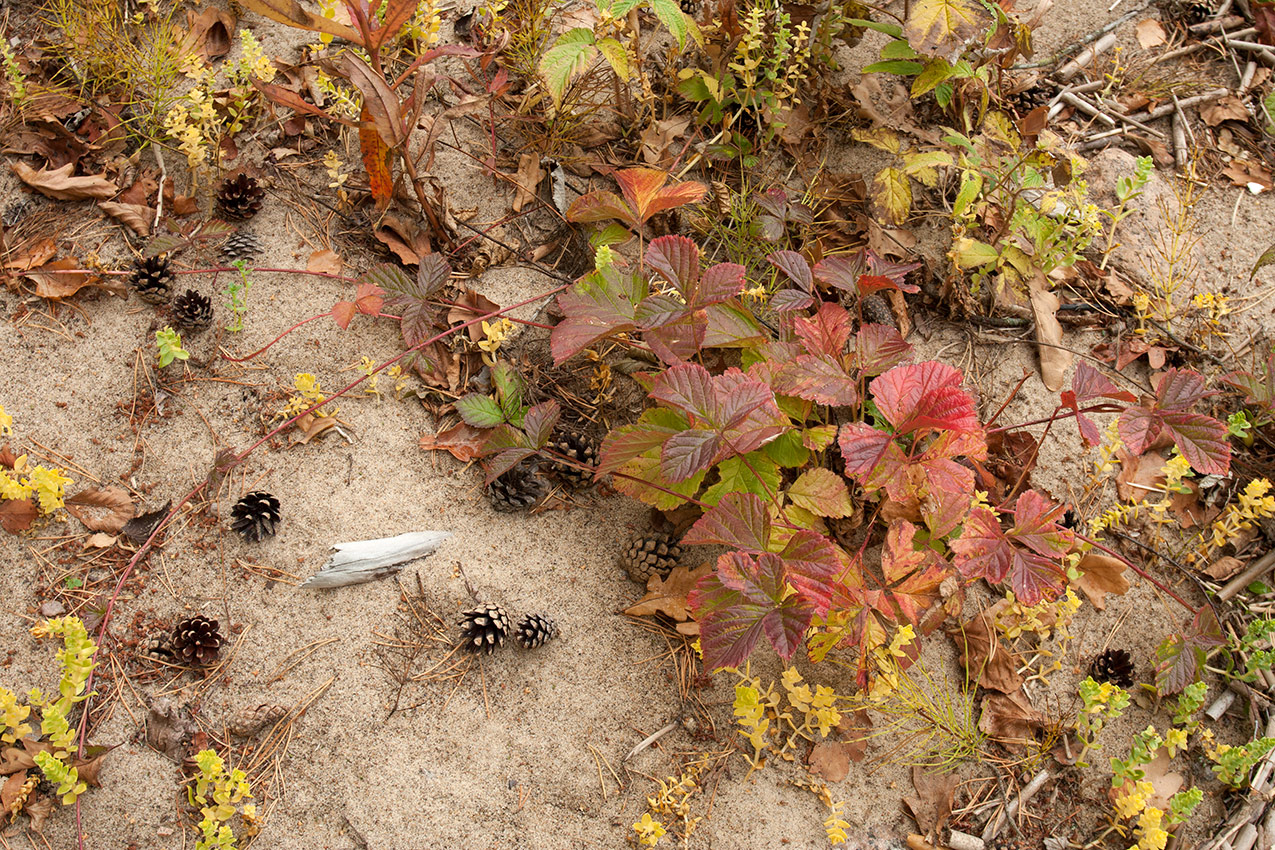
[1223, 568]
[100, 540]
[668, 595]
[136, 217]
[931, 806]
[325, 262]
[1010, 718]
[464, 442]
[469, 306]
[13, 759]
[1103, 574]
[16, 514]
[1054, 360]
[61, 185]
[829, 760]
[35, 255]
[139, 528]
[1150, 33]
[91, 765]
[1140, 476]
[10, 790]
[102, 508]
[210, 32]
[1242, 173]
[312, 426]
[983, 654]
[38, 809]
[408, 241]
[527, 180]
[168, 728]
[1226, 108]
[52, 281]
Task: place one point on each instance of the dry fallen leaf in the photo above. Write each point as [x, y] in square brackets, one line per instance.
[1054, 360]
[58, 280]
[1226, 108]
[101, 508]
[931, 806]
[465, 443]
[9, 791]
[668, 595]
[469, 306]
[1140, 477]
[312, 426]
[1223, 568]
[16, 514]
[61, 185]
[1245, 173]
[34, 255]
[527, 180]
[325, 262]
[1103, 574]
[983, 654]
[100, 540]
[829, 760]
[408, 242]
[136, 217]
[1150, 33]
[1010, 718]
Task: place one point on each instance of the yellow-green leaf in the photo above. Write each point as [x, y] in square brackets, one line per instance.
[971, 185]
[617, 56]
[880, 137]
[936, 26]
[970, 253]
[998, 127]
[924, 166]
[936, 71]
[892, 195]
[568, 57]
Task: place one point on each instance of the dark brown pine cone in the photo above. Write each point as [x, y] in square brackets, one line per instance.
[876, 311]
[255, 516]
[518, 489]
[240, 197]
[242, 244]
[192, 312]
[152, 279]
[197, 640]
[581, 449]
[533, 630]
[1114, 666]
[484, 627]
[650, 554]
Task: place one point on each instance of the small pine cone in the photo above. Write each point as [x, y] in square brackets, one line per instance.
[240, 197]
[249, 721]
[533, 630]
[518, 489]
[1114, 666]
[876, 311]
[192, 311]
[646, 555]
[158, 648]
[152, 279]
[484, 628]
[581, 449]
[197, 640]
[242, 244]
[255, 516]
[1023, 102]
[1197, 12]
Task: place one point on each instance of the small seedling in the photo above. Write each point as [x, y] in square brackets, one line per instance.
[168, 347]
[237, 290]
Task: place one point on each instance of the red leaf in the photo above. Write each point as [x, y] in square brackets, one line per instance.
[1202, 440]
[1088, 383]
[1034, 573]
[907, 391]
[810, 565]
[827, 331]
[739, 520]
[676, 259]
[464, 442]
[719, 283]
[369, 298]
[644, 190]
[841, 270]
[343, 312]
[601, 206]
[1036, 526]
[1179, 390]
[864, 447]
[794, 267]
[598, 305]
[817, 378]
[896, 272]
[688, 388]
[878, 348]
[687, 453]
[376, 161]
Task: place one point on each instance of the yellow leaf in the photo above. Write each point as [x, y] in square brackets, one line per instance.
[880, 137]
[936, 26]
[892, 195]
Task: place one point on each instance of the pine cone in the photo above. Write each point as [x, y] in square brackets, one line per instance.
[1114, 666]
[242, 244]
[255, 515]
[518, 489]
[646, 555]
[876, 311]
[534, 629]
[580, 448]
[196, 640]
[240, 196]
[158, 648]
[152, 279]
[1197, 12]
[192, 312]
[484, 628]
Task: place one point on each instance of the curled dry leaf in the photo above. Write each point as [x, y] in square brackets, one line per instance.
[1223, 568]
[527, 180]
[983, 654]
[100, 540]
[169, 728]
[465, 443]
[1150, 33]
[469, 306]
[57, 280]
[1054, 360]
[931, 806]
[136, 217]
[139, 528]
[10, 789]
[1010, 718]
[35, 254]
[668, 595]
[101, 508]
[1103, 574]
[249, 721]
[312, 426]
[830, 760]
[59, 184]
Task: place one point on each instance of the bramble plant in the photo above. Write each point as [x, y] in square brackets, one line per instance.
[168, 347]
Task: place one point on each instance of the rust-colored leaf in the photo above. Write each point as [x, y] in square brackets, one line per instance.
[462, 441]
[1010, 718]
[326, 261]
[380, 105]
[53, 281]
[1054, 359]
[136, 217]
[830, 760]
[291, 12]
[16, 514]
[101, 508]
[376, 161]
[36, 254]
[983, 654]
[469, 306]
[343, 313]
[10, 790]
[1103, 574]
[668, 595]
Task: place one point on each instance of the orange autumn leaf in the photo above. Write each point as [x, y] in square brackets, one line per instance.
[376, 160]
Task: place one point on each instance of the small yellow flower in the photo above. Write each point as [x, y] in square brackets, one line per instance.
[649, 830]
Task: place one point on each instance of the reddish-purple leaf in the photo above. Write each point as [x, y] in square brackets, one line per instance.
[539, 421]
[863, 447]
[687, 453]
[747, 410]
[598, 305]
[899, 391]
[945, 408]
[945, 488]
[629, 441]
[1036, 525]
[1034, 578]
[679, 340]
[985, 550]
[841, 270]
[1088, 383]
[676, 259]
[1139, 427]
[787, 300]
[1181, 656]
[658, 310]
[810, 565]
[897, 272]
[505, 460]
[827, 331]
[739, 520]
[730, 325]
[644, 189]
[794, 267]
[1201, 439]
[739, 603]
[878, 348]
[719, 283]
[601, 206]
[817, 378]
[1180, 390]
[982, 550]
[688, 388]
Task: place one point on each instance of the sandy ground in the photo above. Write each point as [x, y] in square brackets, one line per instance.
[516, 754]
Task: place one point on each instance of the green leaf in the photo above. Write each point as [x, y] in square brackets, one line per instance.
[617, 56]
[480, 411]
[569, 56]
[896, 66]
[898, 49]
[893, 30]
[970, 253]
[936, 71]
[678, 22]
[1268, 257]
[753, 473]
[787, 450]
[823, 492]
[971, 186]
